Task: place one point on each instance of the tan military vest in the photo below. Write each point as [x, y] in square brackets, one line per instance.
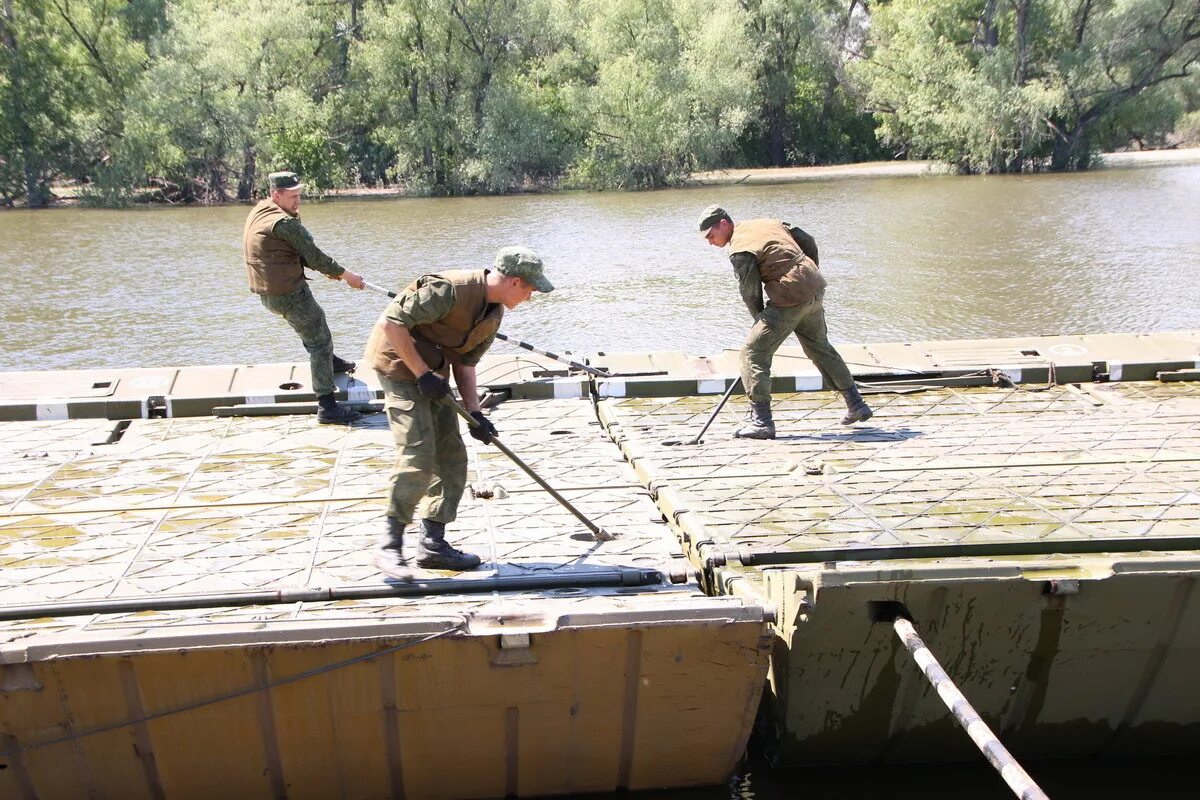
[471, 320]
[789, 276]
[272, 265]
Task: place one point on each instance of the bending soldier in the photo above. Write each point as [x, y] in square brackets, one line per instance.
[277, 248]
[781, 260]
[441, 323]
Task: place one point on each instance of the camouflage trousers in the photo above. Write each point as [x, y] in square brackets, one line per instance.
[431, 460]
[772, 328]
[300, 310]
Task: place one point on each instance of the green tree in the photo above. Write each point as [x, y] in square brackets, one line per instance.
[1113, 52]
[1005, 86]
[66, 67]
[432, 66]
[229, 98]
[100, 38]
[806, 113]
[668, 90]
[32, 121]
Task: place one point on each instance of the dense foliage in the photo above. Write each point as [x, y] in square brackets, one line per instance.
[1006, 85]
[185, 100]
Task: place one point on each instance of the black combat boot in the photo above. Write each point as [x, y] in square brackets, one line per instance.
[434, 552]
[759, 424]
[857, 409]
[342, 365]
[330, 413]
[389, 557]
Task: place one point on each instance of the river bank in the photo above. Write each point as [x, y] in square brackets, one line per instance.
[69, 195]
[894, 169]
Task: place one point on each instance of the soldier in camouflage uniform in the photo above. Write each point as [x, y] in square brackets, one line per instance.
[442, 322]
[781, 260]
[277, 248]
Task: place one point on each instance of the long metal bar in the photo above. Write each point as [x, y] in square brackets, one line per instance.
[728, 392]
[500, 583]
[993, 750]
[598, 533]
[599, 373]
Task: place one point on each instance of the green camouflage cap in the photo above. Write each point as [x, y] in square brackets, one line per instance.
[521, 262]
[711, 216]
[284, 181]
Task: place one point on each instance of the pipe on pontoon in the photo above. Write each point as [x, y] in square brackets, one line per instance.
[989, 744]
[620, 577]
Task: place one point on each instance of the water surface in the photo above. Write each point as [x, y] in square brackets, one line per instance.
[931, 257]
[907, 259]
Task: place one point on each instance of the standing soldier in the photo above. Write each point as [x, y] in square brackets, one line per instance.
[780, 259]
[277, 248]
[441, 322]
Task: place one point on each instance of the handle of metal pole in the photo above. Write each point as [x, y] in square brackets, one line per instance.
[379, 289]
[598, 533]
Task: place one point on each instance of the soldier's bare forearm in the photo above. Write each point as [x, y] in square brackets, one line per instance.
[466, 381]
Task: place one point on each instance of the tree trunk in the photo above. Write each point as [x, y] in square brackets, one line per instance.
[485, 80]
[37, 194]
[1066, 149]
[1021, 43]
[986, 35]
[355, 26]
[775, 115]
[249, 172]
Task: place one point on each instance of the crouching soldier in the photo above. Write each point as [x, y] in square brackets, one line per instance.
[781, 260]
[441, 323]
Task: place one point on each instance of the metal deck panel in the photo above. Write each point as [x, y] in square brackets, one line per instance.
[237, 504]
[949, 466]
[556, 683]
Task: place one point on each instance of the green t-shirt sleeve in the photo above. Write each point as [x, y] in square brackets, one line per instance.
[745, 266]
[294, 233]
[428, 303]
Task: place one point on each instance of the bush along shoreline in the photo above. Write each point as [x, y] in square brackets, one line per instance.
[196, 101]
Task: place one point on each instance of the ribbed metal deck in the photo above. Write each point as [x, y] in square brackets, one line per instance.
[562, 665]
[211, 504]
[935, 473]
[1043, 538]
[1034, 502]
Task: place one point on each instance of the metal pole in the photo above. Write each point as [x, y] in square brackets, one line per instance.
[617, 576]
[598, 533]
[711, 417]
[996, 753]
[599, 373]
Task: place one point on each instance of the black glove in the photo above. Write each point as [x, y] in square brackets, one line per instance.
[484, 431]
[433, 386]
